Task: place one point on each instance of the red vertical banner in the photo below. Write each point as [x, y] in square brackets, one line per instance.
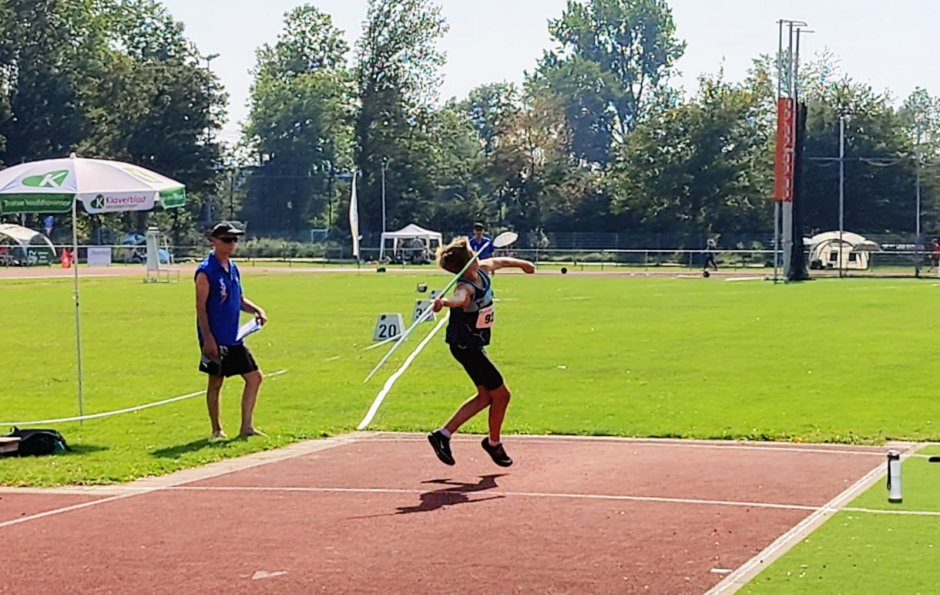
[784, 162]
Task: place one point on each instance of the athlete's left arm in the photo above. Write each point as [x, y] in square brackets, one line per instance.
[494, 264]
[251, 308]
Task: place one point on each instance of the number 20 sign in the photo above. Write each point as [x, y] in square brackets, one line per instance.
[388, 326]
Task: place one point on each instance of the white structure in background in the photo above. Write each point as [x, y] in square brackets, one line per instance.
[99, 256]
[154, 270]
[410, 238]
[853, 251]
[23, 246]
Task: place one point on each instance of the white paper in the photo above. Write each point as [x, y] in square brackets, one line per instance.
[248, 328]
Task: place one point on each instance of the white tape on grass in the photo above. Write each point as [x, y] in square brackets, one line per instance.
[118, 412]
[394, 377]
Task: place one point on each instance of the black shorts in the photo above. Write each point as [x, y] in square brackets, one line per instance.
[481, 370]
[236, 360]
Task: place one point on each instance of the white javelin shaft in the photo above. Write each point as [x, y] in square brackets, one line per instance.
[391, 381]
[424, 315]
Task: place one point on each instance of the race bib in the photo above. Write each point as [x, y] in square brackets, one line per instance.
[486, 317]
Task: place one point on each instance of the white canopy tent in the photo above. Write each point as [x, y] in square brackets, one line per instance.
[852, 250]
[29, 245]
[407, 234]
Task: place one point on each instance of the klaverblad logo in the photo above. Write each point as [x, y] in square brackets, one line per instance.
[53, 179]
[98, 202]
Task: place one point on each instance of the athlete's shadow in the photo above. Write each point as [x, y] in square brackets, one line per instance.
[457, 493]
[454, 494]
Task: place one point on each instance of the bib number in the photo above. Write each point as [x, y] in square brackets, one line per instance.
[486, 318]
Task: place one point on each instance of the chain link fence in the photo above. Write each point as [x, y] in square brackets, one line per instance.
[896, 255]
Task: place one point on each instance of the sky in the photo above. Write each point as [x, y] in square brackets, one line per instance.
[890, 45]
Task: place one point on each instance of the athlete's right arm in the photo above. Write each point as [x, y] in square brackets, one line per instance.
[461, 299]
[494, 264]
[210, 347]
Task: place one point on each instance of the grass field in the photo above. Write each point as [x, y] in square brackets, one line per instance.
[863, 552]
[829, 361]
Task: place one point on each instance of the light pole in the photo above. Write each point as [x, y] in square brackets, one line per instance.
[384, 165]
[842, 120]
[209, 60]
[787, 87]
[917, 191]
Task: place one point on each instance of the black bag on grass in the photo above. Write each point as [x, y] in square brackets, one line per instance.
[37, 442]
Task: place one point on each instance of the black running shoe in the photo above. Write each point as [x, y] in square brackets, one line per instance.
[441, 444]
[498, 453]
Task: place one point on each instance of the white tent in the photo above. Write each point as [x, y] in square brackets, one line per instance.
[29, 246]
[407, 234]
[852, 250]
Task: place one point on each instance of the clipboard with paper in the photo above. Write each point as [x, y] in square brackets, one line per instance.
[249, 328]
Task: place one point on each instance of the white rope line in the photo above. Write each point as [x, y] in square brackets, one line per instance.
[391, 381]
[118, 412]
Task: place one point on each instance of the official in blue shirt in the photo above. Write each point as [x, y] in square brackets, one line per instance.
[478, 240]
[219, 304]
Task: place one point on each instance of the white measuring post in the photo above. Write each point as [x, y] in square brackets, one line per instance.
[894, 477]
[388, 327]
[502, 240]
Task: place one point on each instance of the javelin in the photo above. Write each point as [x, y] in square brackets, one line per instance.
[502, 240]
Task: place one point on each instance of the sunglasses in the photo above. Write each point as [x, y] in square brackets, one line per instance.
[228, 240]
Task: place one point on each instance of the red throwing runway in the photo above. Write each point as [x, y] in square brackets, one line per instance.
[378, 513]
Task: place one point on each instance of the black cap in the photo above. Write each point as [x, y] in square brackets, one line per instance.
[226, 228]
[478, 226]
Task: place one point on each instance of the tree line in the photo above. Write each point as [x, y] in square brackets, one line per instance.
[598, 138]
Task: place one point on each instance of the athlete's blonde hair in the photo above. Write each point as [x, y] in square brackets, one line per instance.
[454, 256]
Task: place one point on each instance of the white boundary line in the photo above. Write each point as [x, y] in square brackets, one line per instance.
[394, 377]
[157, 484]
[753, 567]
[567, 496]
[120, 411]
[393, 437]
[509, 494]
[894, 512]
[870, 451]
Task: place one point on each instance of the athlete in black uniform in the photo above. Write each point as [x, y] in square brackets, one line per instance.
[468, 333]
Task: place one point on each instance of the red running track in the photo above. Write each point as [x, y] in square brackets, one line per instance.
[380, 514]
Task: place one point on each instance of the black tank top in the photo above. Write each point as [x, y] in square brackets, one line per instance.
[470, 326]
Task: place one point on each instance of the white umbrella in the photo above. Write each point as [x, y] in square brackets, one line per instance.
[102, 186]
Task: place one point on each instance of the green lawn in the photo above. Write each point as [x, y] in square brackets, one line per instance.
[863, 552]
[831, 360]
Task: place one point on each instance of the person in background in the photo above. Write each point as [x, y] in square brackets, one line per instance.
[710, 250]
[478, 240]
[934, 254]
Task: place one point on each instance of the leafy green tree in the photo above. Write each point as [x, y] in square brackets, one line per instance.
[299, 124]
[397, 77]
[633, 47]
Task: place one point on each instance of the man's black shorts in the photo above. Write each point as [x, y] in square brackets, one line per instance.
[236, 361]
[481, 370]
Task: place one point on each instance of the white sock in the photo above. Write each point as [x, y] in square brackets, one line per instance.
[493, 443]
[445, 432]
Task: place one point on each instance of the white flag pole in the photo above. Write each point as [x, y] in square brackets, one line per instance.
[354, 220]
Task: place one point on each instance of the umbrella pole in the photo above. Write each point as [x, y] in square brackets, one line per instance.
[78, 324]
